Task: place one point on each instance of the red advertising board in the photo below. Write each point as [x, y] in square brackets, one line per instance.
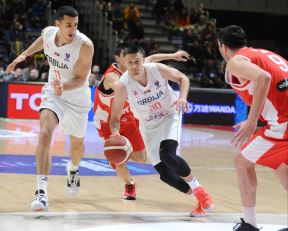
[24, 101]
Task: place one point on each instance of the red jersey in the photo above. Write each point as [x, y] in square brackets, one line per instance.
[275, 111]
[102, 106]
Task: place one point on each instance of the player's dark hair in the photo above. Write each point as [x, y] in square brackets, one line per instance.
[134, 49]
[232, 36]
[120, 48]
[65, 10]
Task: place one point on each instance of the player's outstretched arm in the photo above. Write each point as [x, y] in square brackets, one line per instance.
[81, 68]
[180, 55]
[117, 106]
[36, 46]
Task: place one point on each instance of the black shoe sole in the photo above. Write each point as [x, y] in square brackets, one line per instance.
[130, 198]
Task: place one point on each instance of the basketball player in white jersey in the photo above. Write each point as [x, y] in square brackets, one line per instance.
[65, 98]
[158, 110]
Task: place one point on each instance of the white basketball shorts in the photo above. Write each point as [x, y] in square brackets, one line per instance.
[168, 128]
[71, 108]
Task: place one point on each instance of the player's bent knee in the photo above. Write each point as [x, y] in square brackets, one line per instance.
[240, 162]
[168, 149]
[77, 147]
[45, 134]
[170, 178]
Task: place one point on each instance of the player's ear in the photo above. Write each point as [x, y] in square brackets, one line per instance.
[57, 22]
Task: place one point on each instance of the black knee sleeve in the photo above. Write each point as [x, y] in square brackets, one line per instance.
[168, 176]
[168, 156]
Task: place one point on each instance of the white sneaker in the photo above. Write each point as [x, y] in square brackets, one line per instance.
[40, 202]
[73, 181]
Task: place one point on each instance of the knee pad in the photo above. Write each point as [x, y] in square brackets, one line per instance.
[168, 176]
[168, 149]
[168, 156]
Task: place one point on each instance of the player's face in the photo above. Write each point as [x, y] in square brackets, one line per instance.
[223, 50]
[67, 27]
[134, 63]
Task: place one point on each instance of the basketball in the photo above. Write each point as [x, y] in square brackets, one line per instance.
[117, 149]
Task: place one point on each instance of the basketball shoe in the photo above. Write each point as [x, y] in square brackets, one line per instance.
[73, 181]
[40, 202]
[204, 199]
[130, 192]
[198, 211]
[243, 226]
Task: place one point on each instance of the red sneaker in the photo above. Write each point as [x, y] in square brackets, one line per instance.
[204, 199]
[130, 192]
[198, 211]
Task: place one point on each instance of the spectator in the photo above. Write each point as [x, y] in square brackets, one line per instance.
[209, 52]
[210, 78]
[43, 70]
[93, 81]
[201, 25]
[189, 37]
[183, 19]
[170, 17]
[152, 47]
[95, 69]
[38, 59]
[131, 15]
[17, 31]
[34, 75]
[137, 32]
[124, 33]
[17, 76]
[197, 51]
[44, 77]
[17, 47]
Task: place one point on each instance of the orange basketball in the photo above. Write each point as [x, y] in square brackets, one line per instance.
[117, 149]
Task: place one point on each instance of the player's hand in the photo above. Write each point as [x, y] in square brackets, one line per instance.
[181, 55]
[58, 87]
[244, 131]
[181, 105]
[19, 59]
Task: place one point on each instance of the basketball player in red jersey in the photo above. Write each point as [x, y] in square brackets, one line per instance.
[129, 125]
[260, 77]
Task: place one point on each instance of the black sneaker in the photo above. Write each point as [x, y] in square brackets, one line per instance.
[40, 202]
[243, 226]
[73, 181]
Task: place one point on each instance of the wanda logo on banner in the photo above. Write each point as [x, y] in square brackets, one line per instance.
[24, 101]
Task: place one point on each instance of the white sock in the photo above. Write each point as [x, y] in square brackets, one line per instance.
[73, 167]
[250, 215]
[193, 183]
[42, 181]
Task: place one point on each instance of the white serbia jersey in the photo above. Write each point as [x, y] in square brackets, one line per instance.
[63, 59]
[153, 103]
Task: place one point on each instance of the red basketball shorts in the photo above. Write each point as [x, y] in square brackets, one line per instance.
[266, 151]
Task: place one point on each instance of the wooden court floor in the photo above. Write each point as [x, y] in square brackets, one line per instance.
[206, 149]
